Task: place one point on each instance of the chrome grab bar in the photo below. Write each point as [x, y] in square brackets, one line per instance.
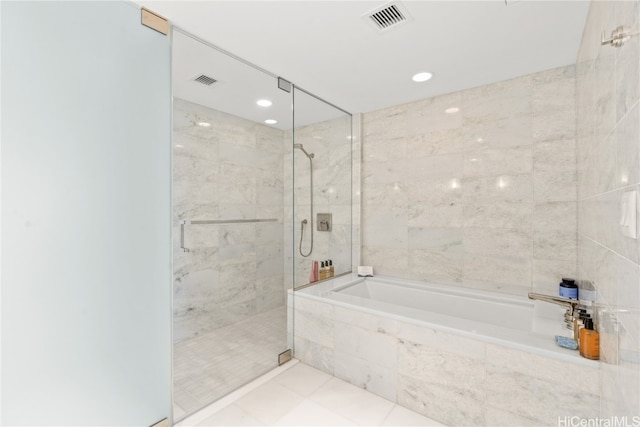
[216, 221]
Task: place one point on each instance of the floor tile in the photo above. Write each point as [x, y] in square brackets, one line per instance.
[352, 402]
[400, 416]
[269, 402]
[309, 413]
[303, 379]
[232, 415]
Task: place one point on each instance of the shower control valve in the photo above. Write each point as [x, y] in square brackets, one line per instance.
[324, 222]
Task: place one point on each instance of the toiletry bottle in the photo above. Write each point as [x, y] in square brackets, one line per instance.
[331, 271]
[568, 288]
[314, 272]
[578, 323]
[589, 341]
[323, 271]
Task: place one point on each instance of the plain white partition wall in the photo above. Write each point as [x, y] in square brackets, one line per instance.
[86, 235]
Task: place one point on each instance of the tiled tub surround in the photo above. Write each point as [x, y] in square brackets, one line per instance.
[608, 156]
[455, 371]
[482, 198]
[232, 169]
[332, 193]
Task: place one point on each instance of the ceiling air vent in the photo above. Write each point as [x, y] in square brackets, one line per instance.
[205, 80]
[388, 16]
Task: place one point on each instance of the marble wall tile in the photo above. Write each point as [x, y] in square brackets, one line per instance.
[607, 95]
[365, 374]
[224, 172]
[491, 167]
[494, 242]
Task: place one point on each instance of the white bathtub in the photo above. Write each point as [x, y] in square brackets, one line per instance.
[460, 356]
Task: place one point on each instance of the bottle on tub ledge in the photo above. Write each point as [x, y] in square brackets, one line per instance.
[589, 341]
[331, 271]
[313, 276]
[324, 270]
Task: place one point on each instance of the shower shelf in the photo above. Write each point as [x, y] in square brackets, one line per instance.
[217, 221]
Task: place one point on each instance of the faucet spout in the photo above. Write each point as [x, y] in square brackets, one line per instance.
[571, 305]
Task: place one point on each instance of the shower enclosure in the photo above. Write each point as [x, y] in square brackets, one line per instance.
[238, 191]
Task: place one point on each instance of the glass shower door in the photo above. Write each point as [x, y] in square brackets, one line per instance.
[230, 133]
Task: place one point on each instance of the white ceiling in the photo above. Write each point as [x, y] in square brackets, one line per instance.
[327, 47]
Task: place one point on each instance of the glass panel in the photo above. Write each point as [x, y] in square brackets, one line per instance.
[322, 189]
[86, 215]
[229, 287]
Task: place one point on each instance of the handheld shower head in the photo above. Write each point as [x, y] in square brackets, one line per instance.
[301, 148]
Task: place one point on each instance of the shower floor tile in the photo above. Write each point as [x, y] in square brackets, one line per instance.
[212, 365]
[300, 395]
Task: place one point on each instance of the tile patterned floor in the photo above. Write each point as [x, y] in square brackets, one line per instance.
[212, 365]
[304, 396]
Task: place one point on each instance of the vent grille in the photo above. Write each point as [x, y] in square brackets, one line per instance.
[385, 18]
[205, 80]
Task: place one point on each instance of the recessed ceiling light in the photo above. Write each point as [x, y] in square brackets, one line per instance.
[480, 140]
[452, 110]
[204, 124]
[264, 103]
[179, 145]
[271, 121]
[422, 77]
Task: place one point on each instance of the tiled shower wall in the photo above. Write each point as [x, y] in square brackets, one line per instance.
[230, 170]
[608, 158]
[484, 197]
[332, 163]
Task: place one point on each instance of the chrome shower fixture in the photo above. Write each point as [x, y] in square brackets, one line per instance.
[300, 147]
[304, 222]
[618, 37]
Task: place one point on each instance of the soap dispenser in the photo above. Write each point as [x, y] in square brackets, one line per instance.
[589, 341]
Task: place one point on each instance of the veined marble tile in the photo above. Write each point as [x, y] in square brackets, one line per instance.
[314, 322]
[554, 216]
[512, 391]
[439, 239]
[503, 418]
[385, 261]
[439, 267]
[503, 360]
[377, 347]
[366, 374]
[491, 241]
[497, 214]
[502, 133]
[510, 271]
[554, 186]
[314, 354]
[387, 195]
[552, 156]
[451, 406]
[426, 338]
[628, 152]
[436, 142]
[553, 96]
[441, 166]
[555, 244]
[386, 228]
[503, 161]
[554, 126]
[497, 188]
[384, 148]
